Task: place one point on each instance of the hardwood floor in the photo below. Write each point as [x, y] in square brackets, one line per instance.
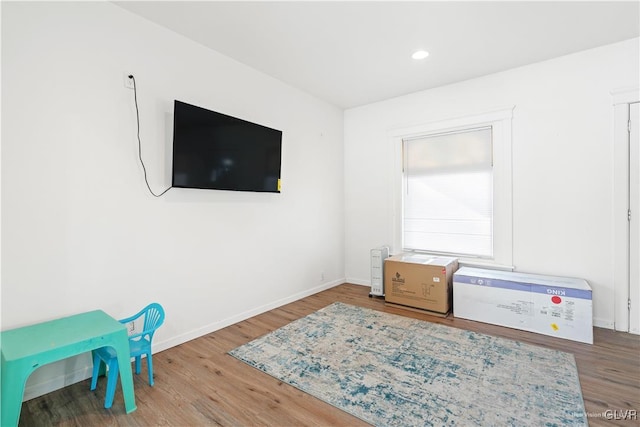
[197, 383]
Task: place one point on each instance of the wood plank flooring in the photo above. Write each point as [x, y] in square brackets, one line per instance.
[198, 384]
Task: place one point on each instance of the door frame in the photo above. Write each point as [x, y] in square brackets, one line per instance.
[620, 204]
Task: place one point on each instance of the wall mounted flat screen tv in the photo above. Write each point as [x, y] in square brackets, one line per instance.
[215, 151]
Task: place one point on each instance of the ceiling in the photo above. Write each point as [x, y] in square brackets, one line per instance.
[358, 52]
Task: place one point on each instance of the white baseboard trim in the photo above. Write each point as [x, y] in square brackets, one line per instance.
[83, 373]
[602, 323]
[181, 339]
[356, 281]
[57, 382]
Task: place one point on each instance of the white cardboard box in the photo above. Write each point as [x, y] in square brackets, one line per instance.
[556, 306]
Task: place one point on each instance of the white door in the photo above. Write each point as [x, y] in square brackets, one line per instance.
[634, 223]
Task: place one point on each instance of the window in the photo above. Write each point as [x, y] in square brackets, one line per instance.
[453, 186]
[448, 193]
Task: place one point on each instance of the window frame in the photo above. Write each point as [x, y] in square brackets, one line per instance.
[500, 121]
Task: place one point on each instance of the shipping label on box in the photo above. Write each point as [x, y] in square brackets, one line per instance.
[555, 306]
[420, 281]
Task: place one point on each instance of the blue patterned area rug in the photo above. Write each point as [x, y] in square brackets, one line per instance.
[390, 370]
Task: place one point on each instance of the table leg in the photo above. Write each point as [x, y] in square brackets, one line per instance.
[14, 377]
[126, 377]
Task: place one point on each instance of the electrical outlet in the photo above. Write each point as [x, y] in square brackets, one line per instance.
[128, 82]
[322, 276]
[131, 326]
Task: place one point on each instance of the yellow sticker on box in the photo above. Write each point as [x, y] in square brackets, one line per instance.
[554, 327]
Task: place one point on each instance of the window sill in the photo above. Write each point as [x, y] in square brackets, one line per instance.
[470, 262]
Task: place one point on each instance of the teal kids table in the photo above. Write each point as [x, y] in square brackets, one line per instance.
[25, 349]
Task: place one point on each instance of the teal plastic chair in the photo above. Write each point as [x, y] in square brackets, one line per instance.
[139, 345]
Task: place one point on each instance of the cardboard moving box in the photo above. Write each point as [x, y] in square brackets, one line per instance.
[420, 281]
[549, 305]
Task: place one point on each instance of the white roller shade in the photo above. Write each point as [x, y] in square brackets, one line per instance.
[448, 200]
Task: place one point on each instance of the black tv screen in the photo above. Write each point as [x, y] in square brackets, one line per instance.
[215, 151]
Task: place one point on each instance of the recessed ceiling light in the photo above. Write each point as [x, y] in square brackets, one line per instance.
[420, 54]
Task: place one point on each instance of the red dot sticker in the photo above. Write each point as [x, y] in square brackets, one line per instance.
[556, 299]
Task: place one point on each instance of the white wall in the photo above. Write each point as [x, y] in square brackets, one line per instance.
[80, 230]
[562, 162]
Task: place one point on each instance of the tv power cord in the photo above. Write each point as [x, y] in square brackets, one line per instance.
[144, 169]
